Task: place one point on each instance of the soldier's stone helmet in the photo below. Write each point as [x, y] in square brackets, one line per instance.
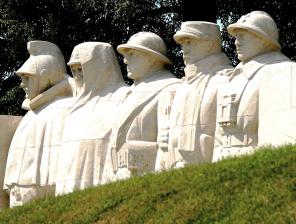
[260, 23]
[199, 30]
[46, 61]
[146, 42]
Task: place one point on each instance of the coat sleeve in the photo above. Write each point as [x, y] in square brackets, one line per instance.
[277, 105]
[163, 116]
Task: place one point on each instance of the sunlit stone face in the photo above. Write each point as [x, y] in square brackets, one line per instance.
[77, 73]
[137, 64]
[248, 45]
[194, 49]
[30, 85]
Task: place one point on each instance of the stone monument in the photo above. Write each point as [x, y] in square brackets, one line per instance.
[98, 91]
[142, 125]
[8, 127]
[193, 116]
[31, 168]
[256, 108]
[108, 131]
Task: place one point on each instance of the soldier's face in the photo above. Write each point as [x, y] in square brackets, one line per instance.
[194, 49]
[248, 45]
[137, 64]
[30, 85]
[77, 73]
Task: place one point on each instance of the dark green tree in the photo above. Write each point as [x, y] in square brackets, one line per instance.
[196, 11]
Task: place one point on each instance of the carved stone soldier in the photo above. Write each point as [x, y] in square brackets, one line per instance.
[98, 91]
[30, 170]
[193, 116]
[255, 108]
[142, 124]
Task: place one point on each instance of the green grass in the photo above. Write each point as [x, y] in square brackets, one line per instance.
[254, 189]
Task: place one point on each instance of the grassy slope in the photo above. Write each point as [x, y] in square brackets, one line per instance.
[254, 189]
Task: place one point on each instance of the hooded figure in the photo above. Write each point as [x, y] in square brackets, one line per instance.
[30, 169]
[257, 107]
[98, 90]
[142, 124]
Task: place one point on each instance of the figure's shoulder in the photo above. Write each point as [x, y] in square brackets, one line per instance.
[223, 75]
[172, 88]
[55, 106]
[222, 67]
[277, 62]
[274, 58]
[167, 74]
[120, 93]
[165, 78]
[122, 88]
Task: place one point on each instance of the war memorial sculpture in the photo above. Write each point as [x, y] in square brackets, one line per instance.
[142, 126]
[193, 116]
[30, 169]
[256, 108]
[93, 129]
[9, 124]
[99, 89]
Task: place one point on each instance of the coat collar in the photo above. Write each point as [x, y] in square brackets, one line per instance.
[250, 67]
[58, 90]
[209, 65]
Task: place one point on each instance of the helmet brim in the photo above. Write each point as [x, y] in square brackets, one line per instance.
[74, 62]
[122, 49]
[180, 35]
[29, 68]
[233, 28]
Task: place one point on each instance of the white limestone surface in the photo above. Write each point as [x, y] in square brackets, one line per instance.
[31, 162]
[8, 125]
[277, 102]
[256, 107]
[142, 125]
[98, 91]
[193, 116]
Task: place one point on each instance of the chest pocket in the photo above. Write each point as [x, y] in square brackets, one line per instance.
[229, 102]
[227, 109]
